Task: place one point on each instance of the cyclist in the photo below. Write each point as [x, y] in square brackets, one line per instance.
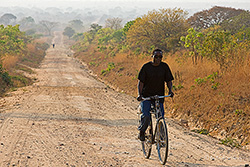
[152, 78]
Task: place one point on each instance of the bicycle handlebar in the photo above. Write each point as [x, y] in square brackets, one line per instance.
[155, 97]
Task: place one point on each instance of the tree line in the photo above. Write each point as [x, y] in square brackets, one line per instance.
[28, 24]
[221, 34]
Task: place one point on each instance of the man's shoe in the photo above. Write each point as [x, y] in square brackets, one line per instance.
[141, 136]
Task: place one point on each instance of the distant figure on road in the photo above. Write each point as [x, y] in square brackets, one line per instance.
[152, 78]
[53, 45]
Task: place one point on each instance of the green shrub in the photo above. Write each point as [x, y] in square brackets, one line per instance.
[21, 79]
[230, 142]
[201, 131]
[5, 76]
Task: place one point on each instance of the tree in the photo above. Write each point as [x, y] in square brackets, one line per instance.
[128, 25]
[68, 31]
[161, 29]
[113, 23]
[77, 25]
[193, 41]
[216, 45]
[94, 28]
[12, 40]
[237, 23]
[213, 16]
[27, 23]
[90, 35]
[8, 19]
[78, 36]
[48, 25]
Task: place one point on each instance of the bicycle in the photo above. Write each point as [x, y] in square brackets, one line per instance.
[160, 135]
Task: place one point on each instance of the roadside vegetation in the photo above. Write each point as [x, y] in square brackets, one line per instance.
[209, 56]
[19, 53]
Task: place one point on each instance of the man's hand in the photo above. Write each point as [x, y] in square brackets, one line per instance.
[139, 98]
[171, 94]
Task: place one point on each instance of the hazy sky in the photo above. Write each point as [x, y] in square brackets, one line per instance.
[185, 4]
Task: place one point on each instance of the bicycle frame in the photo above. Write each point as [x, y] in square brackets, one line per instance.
[155, 136]
[156, 111]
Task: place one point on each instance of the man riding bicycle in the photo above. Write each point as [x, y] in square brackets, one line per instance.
[152, 78]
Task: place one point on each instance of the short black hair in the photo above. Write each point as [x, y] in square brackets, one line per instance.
[157, 50]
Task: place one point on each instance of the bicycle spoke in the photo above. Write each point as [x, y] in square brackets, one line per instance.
[162, 141]
[147, 144]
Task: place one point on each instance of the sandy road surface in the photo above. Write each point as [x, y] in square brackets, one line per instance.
[70, 119]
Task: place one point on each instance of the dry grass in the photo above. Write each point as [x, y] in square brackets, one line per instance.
[43, 40]
[221, 106]
[9, 61]
[17, 65]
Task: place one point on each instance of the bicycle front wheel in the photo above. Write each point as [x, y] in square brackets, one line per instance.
[162, 141]
[147, 144]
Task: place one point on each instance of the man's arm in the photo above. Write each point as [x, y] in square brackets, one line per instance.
[140, 87]
[170, 85]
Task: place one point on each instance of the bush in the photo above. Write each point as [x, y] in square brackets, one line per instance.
[230, 142]
[5, 76]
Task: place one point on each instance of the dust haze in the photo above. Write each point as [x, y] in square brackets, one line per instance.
[94, 11]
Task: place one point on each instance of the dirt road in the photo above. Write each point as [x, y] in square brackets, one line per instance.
[70, 119]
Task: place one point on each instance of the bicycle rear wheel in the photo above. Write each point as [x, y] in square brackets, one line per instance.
[147, 144]
[162, 141]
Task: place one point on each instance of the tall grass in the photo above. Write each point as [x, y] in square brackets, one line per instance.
[9, 61]
[219, 103]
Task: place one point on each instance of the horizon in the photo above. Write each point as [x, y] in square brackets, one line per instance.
[81, 4]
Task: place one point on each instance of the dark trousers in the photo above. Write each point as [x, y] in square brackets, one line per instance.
[145, 116]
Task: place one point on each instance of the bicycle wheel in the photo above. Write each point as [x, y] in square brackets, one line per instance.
[147, 144]
[162, 141]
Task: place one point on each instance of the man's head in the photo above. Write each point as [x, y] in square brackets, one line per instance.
[157, 51]
[157, 55]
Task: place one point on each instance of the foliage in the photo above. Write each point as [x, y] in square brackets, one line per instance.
[7, 19]
[237, 23]
[30, 32]
[78, 36]
[48, 25]
[76, 25]
[213, 16]
[178, 87]
[161, 29]
[94, 28]
[68, 31]
[217, 45]
[201, 131]
[11, 40]
[90, 35]
[4, 75]
[240, 112]
[109, 36]
[127, 27]
[16, 47]
[193, 41]
[211, 78]
[111, 66]
[214, 46]
[230, 142]
[104, 36]
[113, 23]
[27, 23]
